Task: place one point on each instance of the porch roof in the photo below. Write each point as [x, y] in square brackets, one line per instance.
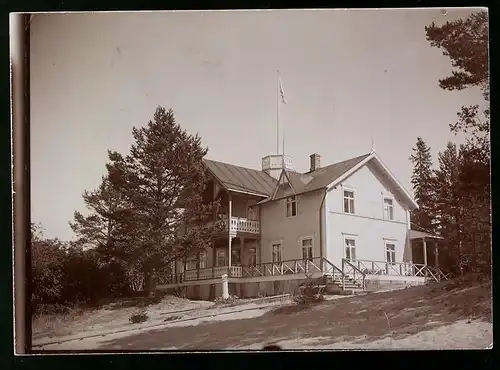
[415, 234]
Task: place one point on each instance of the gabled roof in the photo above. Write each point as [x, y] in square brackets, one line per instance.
[255, 182]
[241, 179]
[321, 178]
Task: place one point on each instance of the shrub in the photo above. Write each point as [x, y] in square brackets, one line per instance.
[232, 299]
[138, 318]
[308, 293]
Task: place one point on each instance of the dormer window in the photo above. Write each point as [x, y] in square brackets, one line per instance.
[291, 206]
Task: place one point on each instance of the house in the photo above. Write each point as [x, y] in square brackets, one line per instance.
[348, 223]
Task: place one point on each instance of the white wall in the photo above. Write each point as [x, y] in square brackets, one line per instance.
[367, 224]
[275, 226]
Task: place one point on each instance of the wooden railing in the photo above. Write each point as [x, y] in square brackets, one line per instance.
[399, 269]
[354, 273]
[355, 270]
[289, 267]
[240, 224]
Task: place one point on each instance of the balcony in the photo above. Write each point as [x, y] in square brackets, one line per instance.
[242, 225]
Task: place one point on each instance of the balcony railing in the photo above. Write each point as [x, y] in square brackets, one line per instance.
[240, 224]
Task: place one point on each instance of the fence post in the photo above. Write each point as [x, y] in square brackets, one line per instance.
[225, 286]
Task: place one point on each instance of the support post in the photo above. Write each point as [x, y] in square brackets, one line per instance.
[198, 266]
[230, 238]
[242, 245]
[436, 254]
[425, 251]
[225, 286]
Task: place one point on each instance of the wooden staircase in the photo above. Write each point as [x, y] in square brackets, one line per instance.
[334, 285]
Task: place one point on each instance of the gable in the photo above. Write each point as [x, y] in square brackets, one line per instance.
[383, 176]
[311, 181]
[284, 187]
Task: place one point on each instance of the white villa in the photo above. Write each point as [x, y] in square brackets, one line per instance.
[348, 223]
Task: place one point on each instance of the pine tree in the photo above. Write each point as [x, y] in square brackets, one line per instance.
[474, 188]
[96, 229]
[465, 42]
[448, 205]
[421, 180]
[164, 180]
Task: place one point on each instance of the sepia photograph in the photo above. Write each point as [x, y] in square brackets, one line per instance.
[258, 180]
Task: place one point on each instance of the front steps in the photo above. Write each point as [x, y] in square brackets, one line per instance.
[333, 285]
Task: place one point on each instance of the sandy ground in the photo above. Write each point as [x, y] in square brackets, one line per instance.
[436, 316]
[88, 330]
[109, 318]
[460, 335]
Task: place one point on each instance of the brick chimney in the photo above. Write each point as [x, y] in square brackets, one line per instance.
[315, 162]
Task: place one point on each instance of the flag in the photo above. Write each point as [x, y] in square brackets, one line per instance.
[283, 100]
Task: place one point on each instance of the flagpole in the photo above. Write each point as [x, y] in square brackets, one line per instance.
[278, 112]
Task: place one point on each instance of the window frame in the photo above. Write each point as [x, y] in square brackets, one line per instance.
[346, 237]
[290, 200]
[310, 248]
[203, 260]
[386, 207]
[274, 244]
[392, 243]
[353, 199]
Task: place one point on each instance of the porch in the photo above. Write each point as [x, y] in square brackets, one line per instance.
[355, 271]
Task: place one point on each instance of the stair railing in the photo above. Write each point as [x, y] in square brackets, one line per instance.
[331, 266]
[346, 265]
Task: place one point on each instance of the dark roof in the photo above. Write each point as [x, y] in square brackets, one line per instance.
[255, 181]
[319, 179]
[241, 178]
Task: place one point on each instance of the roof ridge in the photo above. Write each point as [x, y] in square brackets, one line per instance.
[233, 165]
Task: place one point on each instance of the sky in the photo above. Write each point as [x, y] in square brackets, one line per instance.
[349, 77]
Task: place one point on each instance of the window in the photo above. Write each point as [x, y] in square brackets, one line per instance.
[307, 249]
[348, 201]
[350, 248]
[276, 252]
[291, 206]
[203, 260]
[388, 209]
[235, 257]
[252, 256]
[252, 213]
[221, 257]
[390, 251]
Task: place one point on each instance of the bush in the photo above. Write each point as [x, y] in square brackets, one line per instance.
[138, 318]
[232, 299]
[308, 293]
